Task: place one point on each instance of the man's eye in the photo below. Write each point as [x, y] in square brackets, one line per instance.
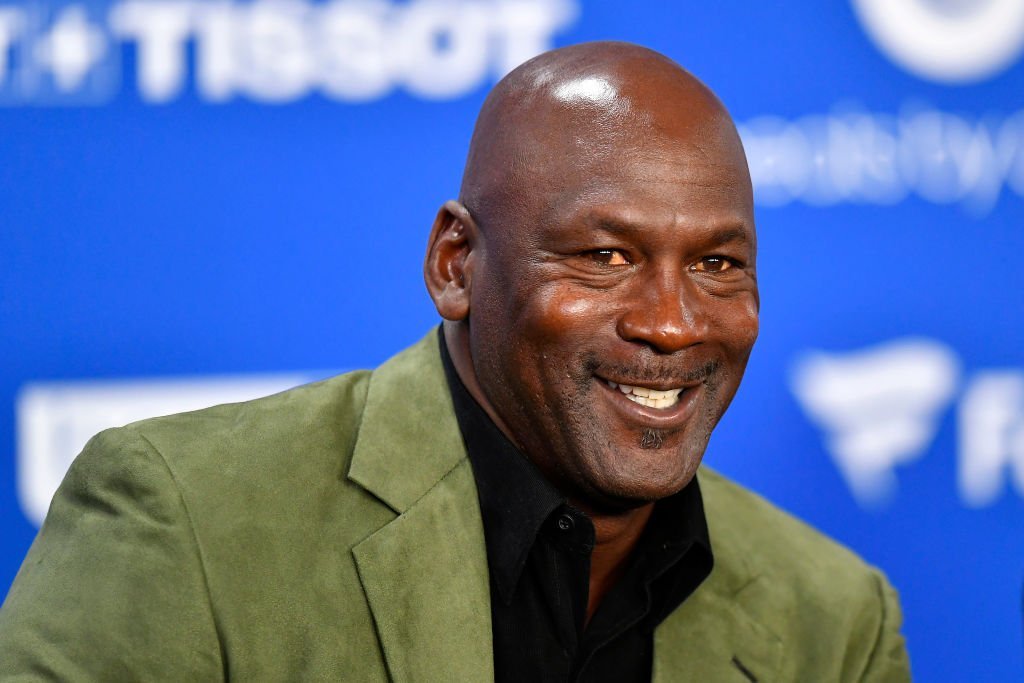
[609, 257]
[714, 264]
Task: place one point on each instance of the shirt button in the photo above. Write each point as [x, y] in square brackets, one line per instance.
[566, 522]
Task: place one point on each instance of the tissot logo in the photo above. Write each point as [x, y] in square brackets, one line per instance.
[949, 41]
[273, 51]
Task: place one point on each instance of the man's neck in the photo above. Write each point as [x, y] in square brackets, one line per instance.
[616, 536]
[457, 341]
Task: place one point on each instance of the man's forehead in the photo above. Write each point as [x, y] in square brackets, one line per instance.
[595, 140]
[588, 112]
[638, 166]
[724, 214]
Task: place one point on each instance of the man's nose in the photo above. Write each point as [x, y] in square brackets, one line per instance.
[666, 313]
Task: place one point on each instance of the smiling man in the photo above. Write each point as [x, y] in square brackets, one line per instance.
[518, 497]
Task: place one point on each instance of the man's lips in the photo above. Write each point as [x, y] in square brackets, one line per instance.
[665, 406]
[648, 396]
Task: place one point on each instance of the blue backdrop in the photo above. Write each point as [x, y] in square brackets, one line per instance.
[205, 201]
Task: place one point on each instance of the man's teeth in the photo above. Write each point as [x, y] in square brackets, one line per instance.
[651, 398]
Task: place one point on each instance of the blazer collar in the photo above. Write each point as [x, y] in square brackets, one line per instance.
[712, 637]
[408, 438]
[424, 573]
[717, 634]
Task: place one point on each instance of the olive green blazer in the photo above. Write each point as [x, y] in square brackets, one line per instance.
[332, 532]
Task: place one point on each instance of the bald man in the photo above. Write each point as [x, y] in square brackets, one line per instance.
[516, 498]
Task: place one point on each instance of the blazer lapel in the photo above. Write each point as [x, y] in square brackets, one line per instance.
[426, 583]
[711, 638]
[716, 634]
[424, 573]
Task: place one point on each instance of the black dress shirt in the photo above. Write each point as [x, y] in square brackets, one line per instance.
[538, 554]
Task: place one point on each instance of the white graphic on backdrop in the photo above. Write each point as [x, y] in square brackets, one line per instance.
[880, 407]
[853, 156]
[55, 419]
[70, 49]
[273, 51]
[11, 25]
[55, 56]
[949, 42]
[991, 419]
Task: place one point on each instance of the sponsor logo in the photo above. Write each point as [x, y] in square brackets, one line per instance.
[991, 419]
[949, 41]
[880, 408]
[269, 51]
[859, 157]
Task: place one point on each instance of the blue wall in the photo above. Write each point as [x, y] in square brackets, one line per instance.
[240, 195]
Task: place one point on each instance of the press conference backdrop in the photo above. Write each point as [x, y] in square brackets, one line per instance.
[207, 201]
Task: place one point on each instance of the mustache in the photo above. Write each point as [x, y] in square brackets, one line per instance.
[650, 372]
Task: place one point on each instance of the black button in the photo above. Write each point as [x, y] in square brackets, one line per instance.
[566, 522]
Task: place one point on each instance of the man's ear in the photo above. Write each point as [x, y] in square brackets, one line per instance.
[448, 266]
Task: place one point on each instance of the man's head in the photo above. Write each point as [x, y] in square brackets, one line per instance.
[603, 240]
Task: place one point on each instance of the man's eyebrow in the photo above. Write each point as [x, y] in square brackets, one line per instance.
[729, 233]
[715, 235]
[615, 226]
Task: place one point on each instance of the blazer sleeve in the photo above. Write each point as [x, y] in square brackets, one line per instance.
[113, 587]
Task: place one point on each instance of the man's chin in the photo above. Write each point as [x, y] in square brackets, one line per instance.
[618, 492]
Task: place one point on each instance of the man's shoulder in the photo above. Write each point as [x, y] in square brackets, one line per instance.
[298, 445]
[243, 460]
[316, 417]
[785, 601]
[764, 540]
[309, 420]
[242, 511]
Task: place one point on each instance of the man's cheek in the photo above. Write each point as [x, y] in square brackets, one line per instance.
[560, 309]
[752, 317]
[746, 333]
[737, 326]
[753, 328]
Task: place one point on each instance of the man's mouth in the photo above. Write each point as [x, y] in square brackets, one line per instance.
[645, 396]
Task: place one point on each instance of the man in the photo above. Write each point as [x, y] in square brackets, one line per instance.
[514, 498]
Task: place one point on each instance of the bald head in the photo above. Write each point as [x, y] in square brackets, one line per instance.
[581, 105]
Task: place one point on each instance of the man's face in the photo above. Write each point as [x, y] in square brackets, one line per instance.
[618, 270]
